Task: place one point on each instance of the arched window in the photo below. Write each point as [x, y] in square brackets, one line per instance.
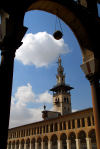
[69, 125]
[78, 123]
[43, 129]
[60, 125]
[73, 124]
[34, 131]
[37, 130]
[51, 128]
[64, 125]
[55, 126]
[89, 121]
[93, 120]
[83, 122]
[46, 128]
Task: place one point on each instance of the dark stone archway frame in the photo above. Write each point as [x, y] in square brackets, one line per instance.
[84, 24]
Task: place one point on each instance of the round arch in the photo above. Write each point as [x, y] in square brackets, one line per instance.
[92, 135]
[68, 13]
[54, 139]
[33, 142]
[45, 140]
[63, 138]
[39, 139]
[82, 136]
[28, 142]
[22, 143]
[72, 137]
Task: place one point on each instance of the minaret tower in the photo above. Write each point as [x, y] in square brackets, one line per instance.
[61, 92]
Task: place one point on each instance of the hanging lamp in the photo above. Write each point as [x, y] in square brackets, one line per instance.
[58, 34]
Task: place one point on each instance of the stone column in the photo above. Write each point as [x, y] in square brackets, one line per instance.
[59, 144]
[30, 145]
[91, 69]
[77, 143]
[42, 145]
[68, 144]
[13, 33]
[49, 145]
[15, 146]
[36, 145]
[25, 145]
[88, 142]
[19, 145]
[11, 146]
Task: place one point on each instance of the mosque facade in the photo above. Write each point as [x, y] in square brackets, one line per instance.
[60, 128]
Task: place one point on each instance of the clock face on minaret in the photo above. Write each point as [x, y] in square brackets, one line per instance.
[61, 92]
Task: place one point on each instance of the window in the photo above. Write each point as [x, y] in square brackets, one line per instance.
[73, 124]
[69, 125]
[51, 128]
[55, 127]
[46, 128]
[60, 125]
[64, 125]
[43, 129]
[38, 130]
[83, 122]
[89, 121]
[93, 120]
[65, 99]
[78, 123]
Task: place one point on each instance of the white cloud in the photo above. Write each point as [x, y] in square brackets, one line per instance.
[45, 97]
[20, 114]
[73, 110]
[25, 94]
[40, 49]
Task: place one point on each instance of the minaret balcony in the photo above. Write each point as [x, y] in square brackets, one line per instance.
[62, 92]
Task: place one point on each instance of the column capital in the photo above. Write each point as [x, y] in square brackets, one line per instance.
[68, 141]
[88, 139]
[77, 140]
[93, 78]
[9, 45]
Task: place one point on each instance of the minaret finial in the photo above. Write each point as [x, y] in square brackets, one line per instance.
[44, 106]
[59, 60]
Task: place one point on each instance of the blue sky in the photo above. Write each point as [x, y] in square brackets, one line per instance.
[35, 68]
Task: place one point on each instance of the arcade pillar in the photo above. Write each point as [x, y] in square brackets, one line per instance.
[92, 72]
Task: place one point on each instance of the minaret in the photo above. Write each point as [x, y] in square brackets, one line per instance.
[61, 92]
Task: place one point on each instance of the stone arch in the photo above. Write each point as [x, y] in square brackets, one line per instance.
[17, 144]
[82, 136]
[13, 143]
[54, 139]
[63, 138]
[33, 142]
[28, 142]
[22, 143]
[45, 140]
[68, 12]
[92, 135]
[39, 139]
[72, 137]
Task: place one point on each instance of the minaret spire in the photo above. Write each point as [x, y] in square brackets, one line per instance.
[60, 76]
